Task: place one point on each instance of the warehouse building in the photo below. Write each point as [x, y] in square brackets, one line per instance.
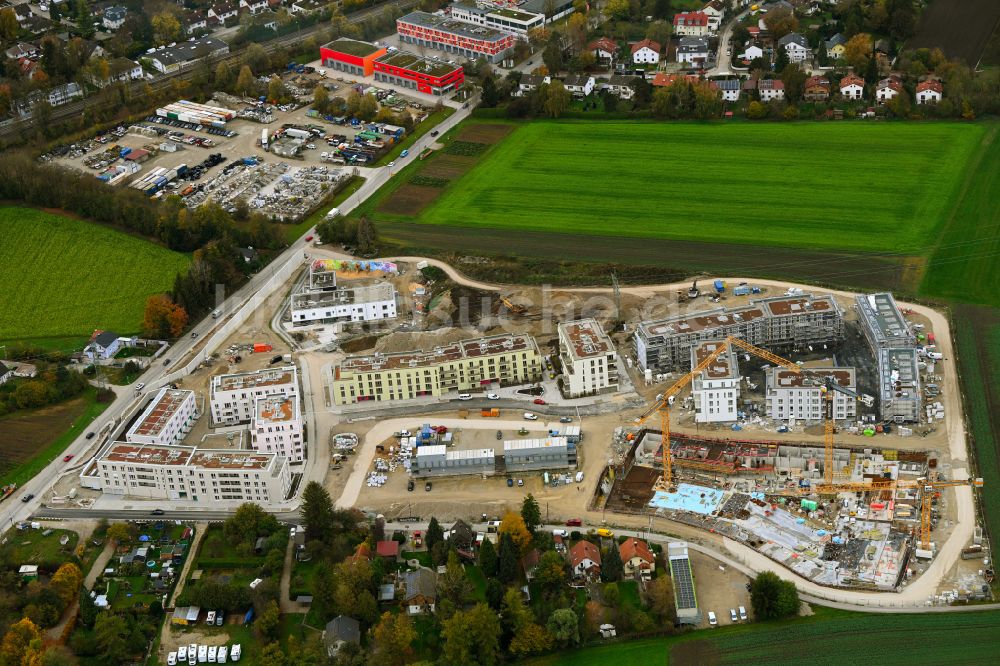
[882, 321]
[479, 363]
[899, 384]
[234, 396]
[528, 455]
[452, 36]
[166, 420]
[351, 56]
[588, 359]
[431, 77]
[167, 59]
[437, 460]
[188, 473]
[780, 322]
[717, 389]
[799, 396]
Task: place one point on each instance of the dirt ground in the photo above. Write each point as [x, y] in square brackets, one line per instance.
[718, 588]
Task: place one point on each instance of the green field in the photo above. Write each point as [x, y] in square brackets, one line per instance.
[63, 278]
[829, 637]
[863, 186]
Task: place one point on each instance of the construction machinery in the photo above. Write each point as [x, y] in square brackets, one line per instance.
[665, 399]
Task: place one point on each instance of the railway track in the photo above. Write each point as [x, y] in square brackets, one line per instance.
[164, 81]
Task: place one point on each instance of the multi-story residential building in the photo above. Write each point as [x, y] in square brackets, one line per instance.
[508, 19]
[779, 322]
[717, 388]
[234, 396]
[800, 395]
[526, 455]
[588, 358]
[166, 420]
[479, 363]
[188, 473]
[277, 427]
[882, 322]
[453, 36]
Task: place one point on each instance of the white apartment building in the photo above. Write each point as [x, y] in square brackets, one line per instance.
[188, 473]
[800, 395]
[588, 358]
[717, 389]
[277, 427]
[234, 396]
[166, 420]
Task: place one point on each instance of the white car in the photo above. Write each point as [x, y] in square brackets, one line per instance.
[492, 396]
[172, 659]
[464, 396]
[182, 653]
[528, 416]
[221, 659]
[212, 651]
[235, 656]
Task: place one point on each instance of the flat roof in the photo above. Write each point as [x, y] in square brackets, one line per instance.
[276, 409]
[419, 64]
[453, 26]
[179, 456]
[808, 378]
[159, 412]
[723, 367]
[238, 381]
[472, 348]
[353, 47]
[586, 339]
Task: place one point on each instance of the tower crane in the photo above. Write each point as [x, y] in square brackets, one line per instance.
[662, 405]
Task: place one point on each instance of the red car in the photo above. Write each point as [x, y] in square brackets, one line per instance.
[574, 522]
[68, 458]
[539, 401]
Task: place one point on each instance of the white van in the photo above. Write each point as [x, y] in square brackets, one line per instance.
[712, 621]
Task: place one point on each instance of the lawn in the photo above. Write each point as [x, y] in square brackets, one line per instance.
[858, 186]
[829, 637]
[64, 277]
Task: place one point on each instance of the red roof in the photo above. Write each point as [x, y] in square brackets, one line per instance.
[635, 548]
[604, 43]
[930, 84]
[654, 46]
[691, 18]
[584, 550]
[852, 80]
[387, 548]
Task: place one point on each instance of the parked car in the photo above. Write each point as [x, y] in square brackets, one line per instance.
[538, 401]
[68, 457]
[428, 486]
[410, 485]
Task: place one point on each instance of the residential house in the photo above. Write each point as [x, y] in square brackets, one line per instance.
[22, 50]
[729, 89]
[835, 46]
[530, 82]
[387, 550]
[691, 24]
[816, 89]
[223, 11]
[461, 536]
[646, 52]
[103, 345]
[637, 557]
[887, 89]
[620, 85]
[114, 17]
[852, 87]
[604, 49]
[420, 591]
[338, 632]
[929, 92]
[771, 89]
[585, 559]
[580, 85]
[530, 562]
[714, 11]
[796, 46]
[5, 373]
[253, 6]
[751, 53]
[693, 50]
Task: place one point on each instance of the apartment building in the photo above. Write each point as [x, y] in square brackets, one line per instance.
[188, 473]
[453, 36]
[799, 396]
[779, 322]
[234, 396]
[277, 427]
[166, 420]
[716, 390]
[588, 358]
[479, 363]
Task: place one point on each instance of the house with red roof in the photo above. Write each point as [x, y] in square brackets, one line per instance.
[646, 52]
[585, 559]
[637, 557]
[691, 24]
[929, 92]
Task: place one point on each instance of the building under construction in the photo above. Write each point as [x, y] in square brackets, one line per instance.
[777, 323]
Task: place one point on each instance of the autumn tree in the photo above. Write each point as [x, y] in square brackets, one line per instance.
[394, 636]
[163, 318]
[66, 582]
[20, 642]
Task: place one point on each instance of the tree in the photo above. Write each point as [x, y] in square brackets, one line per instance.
[564, 625]
[321, 98]
[611, 564]
[317, 512]
[434, 533]
[394, 636]
[8, 24]
[488, 559]
[21, 639]
[453, 583]
[166, 27]
[660, 599]
[773, 598]
[163, 318]
[507, 565]
[858, 50]
[66, 582]
[111, 632]
[472, 637]
[268, 623]
[245, 82]
[249, 522]
[531, 513]
[119, 533]
[513, 526]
